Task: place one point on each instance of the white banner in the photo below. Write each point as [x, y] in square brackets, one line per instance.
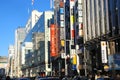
[104, 51]
[63, 55]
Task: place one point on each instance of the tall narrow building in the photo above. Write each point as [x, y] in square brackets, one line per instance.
[19, 37]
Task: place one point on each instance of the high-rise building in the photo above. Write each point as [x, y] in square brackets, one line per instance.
[35, 15]
[19, 37]
[47, 17]
[38, 56]
[101, 33]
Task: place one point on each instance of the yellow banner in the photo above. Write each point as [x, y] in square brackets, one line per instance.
[72, 19]
[62, 43]
[74, 59]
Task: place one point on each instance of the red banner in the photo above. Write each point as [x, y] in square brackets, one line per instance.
[53, 51]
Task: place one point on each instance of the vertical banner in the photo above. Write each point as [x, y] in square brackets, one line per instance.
[53, 51]
[72, 30]
[104, 51]
[74, 59]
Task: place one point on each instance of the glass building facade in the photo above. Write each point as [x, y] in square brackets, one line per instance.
[38, 55]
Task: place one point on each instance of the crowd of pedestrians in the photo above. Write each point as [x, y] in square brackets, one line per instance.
[94, 77]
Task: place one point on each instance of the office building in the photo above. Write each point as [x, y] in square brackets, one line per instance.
[19, 37]
[38, 56]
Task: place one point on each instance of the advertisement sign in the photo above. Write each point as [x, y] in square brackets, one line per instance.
[61, 17]
[53, 40]
[80, 25]
[71, 19]
[62, 43]
[79, 7]
[80, 13]
[62, 33]
[61, 23]
[81, 32]
[61, 10]
[73, 33]
[80, 1]
[63, 55]
[74, 59]
[80, 19]
[103, 52]
[71, 4]
[61, 4]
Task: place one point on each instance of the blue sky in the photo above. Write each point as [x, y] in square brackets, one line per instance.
[15, 13]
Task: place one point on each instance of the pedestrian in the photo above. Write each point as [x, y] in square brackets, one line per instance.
[97, 76]
[89, 77]
[0, 78]
[117, 77]
[8, 78]
[22, 76]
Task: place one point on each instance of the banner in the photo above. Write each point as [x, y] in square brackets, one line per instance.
[104, 51]
[53, 52]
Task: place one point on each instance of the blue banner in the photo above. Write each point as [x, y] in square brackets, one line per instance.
[61, 10]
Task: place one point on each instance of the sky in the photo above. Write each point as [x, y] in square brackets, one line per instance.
[15, 13]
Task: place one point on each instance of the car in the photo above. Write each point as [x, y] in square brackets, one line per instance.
[48, 78]
[13, 79]
[37, 77]
[23, 79]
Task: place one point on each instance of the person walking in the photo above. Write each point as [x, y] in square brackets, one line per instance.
[117, 77]
[8, 78]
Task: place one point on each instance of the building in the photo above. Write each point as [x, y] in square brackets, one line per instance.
[86, 28]
[65, 16]
[114, 41]
[38, 55]
[39, 52]
[32, 20]
[19, 37]
[101, 33]
[26, 48]
[11, 52]
[3, 61]
[48, 16]
[4, 64]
